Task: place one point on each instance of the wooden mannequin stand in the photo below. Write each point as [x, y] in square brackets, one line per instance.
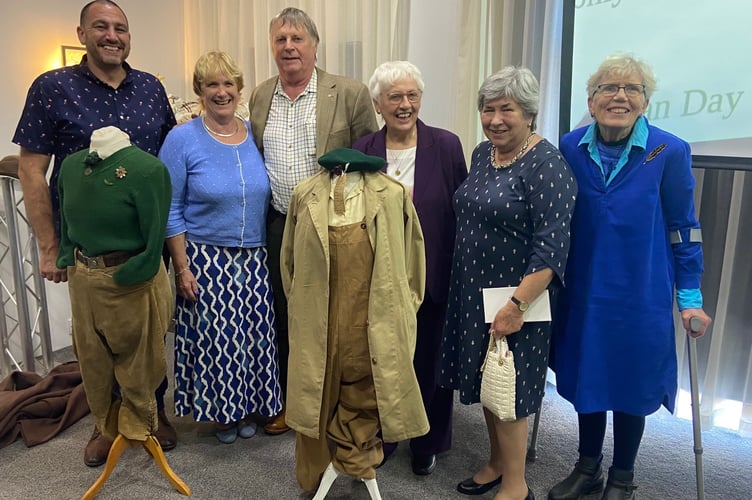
[152, 447]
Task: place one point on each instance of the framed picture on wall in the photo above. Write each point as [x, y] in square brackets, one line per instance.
[72, 55]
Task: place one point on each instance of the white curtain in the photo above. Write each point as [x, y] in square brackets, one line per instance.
[356, 35]
[495, 34]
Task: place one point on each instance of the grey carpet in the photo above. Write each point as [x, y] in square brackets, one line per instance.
[263, 467]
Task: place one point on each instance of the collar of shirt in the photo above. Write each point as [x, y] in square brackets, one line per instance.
[638, 139]
[353, 184]
[355, 207]
[84, 70]
[310, 88]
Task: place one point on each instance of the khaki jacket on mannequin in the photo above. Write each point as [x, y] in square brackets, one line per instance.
[397, 288]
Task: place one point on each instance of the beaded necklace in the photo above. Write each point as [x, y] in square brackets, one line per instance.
[516, 157]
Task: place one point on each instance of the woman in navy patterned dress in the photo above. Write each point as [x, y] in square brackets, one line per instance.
[226, 366]
[513, 214]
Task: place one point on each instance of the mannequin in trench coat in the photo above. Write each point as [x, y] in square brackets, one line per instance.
[397, 282]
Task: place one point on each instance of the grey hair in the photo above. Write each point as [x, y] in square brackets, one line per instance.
[296, 17]
[518, 84]
[622, 65]
[386, 74]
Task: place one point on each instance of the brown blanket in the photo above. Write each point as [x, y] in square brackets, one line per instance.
[39, 407]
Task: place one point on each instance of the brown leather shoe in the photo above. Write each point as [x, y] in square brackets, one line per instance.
[97, 449]
[277, 425]
[166, 434]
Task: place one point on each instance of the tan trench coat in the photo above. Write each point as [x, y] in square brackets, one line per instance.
[397, 287]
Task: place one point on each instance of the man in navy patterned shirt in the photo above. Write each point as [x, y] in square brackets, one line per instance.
[62, 109]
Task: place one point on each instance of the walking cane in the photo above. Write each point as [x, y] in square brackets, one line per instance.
[531, 451]
[695, 324]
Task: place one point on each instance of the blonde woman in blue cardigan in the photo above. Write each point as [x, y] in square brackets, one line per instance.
[226, 366]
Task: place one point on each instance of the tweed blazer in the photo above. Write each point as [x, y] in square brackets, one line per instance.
[344, 111]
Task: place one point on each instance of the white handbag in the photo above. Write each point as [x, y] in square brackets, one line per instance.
[497, 386]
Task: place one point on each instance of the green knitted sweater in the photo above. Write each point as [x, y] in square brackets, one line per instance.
[120, 203]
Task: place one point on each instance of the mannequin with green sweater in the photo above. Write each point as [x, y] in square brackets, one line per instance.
[114, 201]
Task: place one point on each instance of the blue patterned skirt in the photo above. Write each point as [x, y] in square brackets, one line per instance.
[226, 364]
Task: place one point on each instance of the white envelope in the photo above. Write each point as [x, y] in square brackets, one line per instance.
[495, 298]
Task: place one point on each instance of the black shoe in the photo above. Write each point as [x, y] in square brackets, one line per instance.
[530, 495]
[470, 487]
[389, 449]
[423, 465]
[620, 485]
[585, 479]
[616, 490]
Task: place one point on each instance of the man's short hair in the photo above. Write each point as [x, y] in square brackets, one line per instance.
[296, 17]
[85, 10]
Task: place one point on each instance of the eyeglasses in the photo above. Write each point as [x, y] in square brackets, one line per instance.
[611, 89]
[397, 98]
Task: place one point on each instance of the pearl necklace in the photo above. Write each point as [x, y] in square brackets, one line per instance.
[203, 121]
[516, 157]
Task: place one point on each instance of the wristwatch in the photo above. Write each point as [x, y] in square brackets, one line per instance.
[521, 304]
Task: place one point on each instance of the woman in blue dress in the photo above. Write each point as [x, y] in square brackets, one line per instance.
[635, 240]
[512, 214]
[226, 366]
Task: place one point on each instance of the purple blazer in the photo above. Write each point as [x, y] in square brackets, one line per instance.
[440, 168]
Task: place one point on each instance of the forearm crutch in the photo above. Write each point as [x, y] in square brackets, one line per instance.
[695, 325]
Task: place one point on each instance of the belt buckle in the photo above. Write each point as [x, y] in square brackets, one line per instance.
[91, 262]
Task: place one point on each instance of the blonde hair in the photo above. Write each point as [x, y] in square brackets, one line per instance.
[213, 64]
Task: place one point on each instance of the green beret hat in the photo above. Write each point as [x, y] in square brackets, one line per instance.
[350, 160]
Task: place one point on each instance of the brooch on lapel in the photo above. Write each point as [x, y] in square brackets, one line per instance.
[655, 152]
